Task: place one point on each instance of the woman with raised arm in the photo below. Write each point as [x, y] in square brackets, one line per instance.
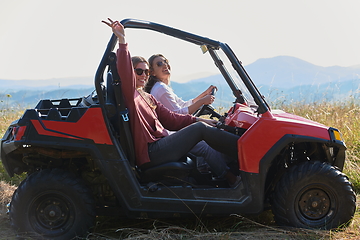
[149, 120]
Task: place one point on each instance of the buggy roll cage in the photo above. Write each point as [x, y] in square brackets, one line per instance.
[210, 44]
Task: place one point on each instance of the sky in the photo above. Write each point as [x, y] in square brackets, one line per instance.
[46, 39]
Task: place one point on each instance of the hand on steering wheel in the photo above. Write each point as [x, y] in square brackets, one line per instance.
[207, 108]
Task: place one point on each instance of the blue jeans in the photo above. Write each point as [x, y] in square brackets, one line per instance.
[178, 144]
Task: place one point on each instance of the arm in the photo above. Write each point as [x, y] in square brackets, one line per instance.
[211, 122]
[202, 101]
[170, 120]
[124, 64]
[169, 99]
[205, 93]
[174, 121]
[126, 73]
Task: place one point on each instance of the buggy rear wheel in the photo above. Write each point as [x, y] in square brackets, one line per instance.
[313, 195]
[52, 204]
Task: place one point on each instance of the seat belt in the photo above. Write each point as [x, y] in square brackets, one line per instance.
[123, 117]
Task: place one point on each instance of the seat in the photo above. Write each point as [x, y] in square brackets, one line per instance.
[110, 94]
[110, 102]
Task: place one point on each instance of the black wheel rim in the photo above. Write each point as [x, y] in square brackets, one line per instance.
[51, 214]
[316, 206]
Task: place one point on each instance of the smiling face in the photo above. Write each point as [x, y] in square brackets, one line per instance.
[143, 77]
[161, 69]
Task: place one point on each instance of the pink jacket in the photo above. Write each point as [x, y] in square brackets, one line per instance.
[147, 124]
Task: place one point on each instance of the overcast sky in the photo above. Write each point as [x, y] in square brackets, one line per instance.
[42, 39]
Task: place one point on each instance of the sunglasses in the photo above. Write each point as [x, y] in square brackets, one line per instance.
[161, 63]
[140, 71]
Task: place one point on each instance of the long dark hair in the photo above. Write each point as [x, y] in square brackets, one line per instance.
[152, 79]
[135, 61]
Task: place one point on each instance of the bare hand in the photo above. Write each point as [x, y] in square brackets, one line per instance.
[211, 122]
[117, 28]
[208, 99]
[209, 90]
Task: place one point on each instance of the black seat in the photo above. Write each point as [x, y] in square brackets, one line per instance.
[110, 94]
[110, 98]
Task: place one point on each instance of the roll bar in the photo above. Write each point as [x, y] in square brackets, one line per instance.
[189, 37]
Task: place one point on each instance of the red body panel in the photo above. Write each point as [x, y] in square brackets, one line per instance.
[241, 116]
[90, 126]
[266, 130]
[19, 132]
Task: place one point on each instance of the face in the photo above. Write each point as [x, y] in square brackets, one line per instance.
[143, 77]
[161, 68]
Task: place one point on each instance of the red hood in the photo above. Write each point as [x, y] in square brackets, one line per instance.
[294, 118]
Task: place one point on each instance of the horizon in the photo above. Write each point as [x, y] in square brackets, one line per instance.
[177, 79]
[281, 78]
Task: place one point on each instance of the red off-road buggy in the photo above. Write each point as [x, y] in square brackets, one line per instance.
[79, 160]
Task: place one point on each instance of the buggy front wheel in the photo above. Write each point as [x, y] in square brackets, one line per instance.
[313, 195]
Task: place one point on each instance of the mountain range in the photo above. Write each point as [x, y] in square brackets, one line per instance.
[281, 79]
[286, 72]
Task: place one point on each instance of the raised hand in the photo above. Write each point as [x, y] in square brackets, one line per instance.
[117, 28]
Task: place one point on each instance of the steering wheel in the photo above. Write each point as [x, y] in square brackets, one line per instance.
[207, 109]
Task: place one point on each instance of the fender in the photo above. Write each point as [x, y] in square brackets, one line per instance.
[267, 131]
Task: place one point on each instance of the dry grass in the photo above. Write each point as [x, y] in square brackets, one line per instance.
[7, 116]
[6, 192]
[345, 117]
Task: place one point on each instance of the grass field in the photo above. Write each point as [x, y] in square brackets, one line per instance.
[343, 116]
